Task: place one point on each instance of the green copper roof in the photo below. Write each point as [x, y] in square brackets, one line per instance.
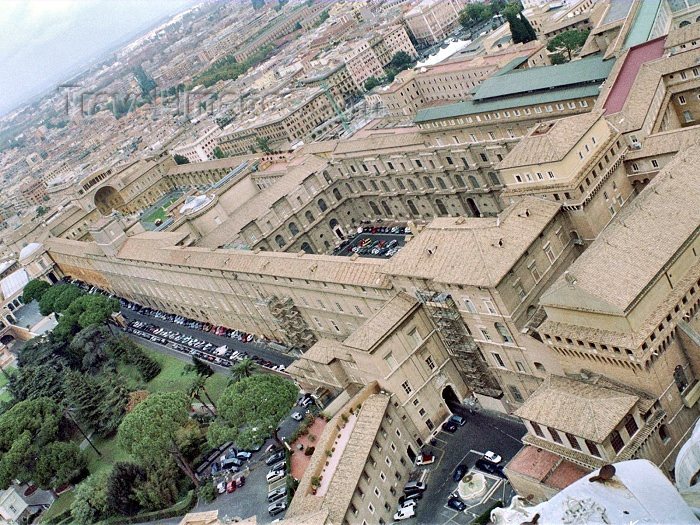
[521, 87]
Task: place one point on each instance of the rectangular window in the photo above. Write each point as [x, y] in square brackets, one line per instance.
[550, 254]
[470, 306]
[449, 160]
[483, 156]
[616, 441]
[517, 396]
[415, 336]
[391, 361]
[429, 361]
[498, 359]
[421, 412]
[489, 306]
[520, 366]
[681, 100]
[485, 333]
[429, 424]
[592, 448]
[406, 387]
[550, 174]
[357, 309]
[340, 308]
[573, 441]
[537, 429]
[535, 274]
[655, 163]
[555, 435]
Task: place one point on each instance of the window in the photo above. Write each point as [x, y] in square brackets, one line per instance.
[503, 332]
[550, 174]
[489, 306]
[412, 184]
[498, 359]
[484, 158]
[535, 273]
[449, 160]
[400, 184]
[630, 425]
[429, 361]
[494, 179]
[536, 428]
[382, 476]
[539, 366]
[485, 333]
[370, 507]
[549, 253]
[421, 412]
[616, 441]
[680, 378]
[429, 424]
[517, 396]
[357, 308]
[635, 166]
[520, 366]
[322, 205]
[573, 441]
[391, 166]
[406, 387]
[428, 182]
[655, 163]
[415, 336]
[387, 460]
[391, 361]
[592, 448]
[555, 435]
[663, 434]
[419, 163]
[469, 306]
[681, 99]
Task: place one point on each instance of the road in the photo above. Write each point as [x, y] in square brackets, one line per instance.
[483, 431]
[259, 349]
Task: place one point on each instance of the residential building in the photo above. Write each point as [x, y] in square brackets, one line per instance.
[432, 20]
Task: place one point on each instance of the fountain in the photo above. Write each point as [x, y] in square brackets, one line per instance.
[472, 485]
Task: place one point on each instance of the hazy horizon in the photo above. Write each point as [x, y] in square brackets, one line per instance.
[45, 40]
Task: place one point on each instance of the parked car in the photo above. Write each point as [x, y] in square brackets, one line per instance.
[493, 457]
[277, 507]
[414, 486]
[459, 473]
[487, 466]
[450, 427]
[221, 487]
[274, 458]
[276, 494]
[458, 420]
[297, 416]
[404, 513]
[408, 503]
[425, 459]
[231, 486]
[456, 504]
[240, 481]
[244, 455]
[274, 475]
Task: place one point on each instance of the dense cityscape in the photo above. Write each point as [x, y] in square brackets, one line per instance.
[358, 262]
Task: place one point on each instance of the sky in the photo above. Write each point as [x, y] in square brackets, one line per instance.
[43, 40]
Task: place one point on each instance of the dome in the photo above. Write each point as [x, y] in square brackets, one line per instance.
[193, 204]
[29, 250]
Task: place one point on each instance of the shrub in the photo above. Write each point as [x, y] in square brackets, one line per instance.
[309, 451]
[207, 492]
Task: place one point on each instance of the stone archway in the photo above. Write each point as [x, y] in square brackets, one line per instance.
[450, 398]
[108, 199]
[7, 340]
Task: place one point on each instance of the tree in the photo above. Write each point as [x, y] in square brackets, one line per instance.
[521, 31]
[263, 143]
[34, 290]
[150, 431]
[474, 12]
[195, 391]
[244, 368]
[159, 490]
[90, 503]
[59, 463]
[26, 429]
[218, 153]
[122, 485]
[400, 61]
[92, 309]
[371, 83]
[557, 58]
[252, 409]
[568, 41]
[68, 295]
[180, 159]
[46, 304]
[199, 367]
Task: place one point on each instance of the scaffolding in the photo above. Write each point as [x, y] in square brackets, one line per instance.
[459, 342]
[291, 323]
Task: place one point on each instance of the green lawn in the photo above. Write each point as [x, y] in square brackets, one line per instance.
[160, 212]
[63, 502]
[171, 378]
[111, 453]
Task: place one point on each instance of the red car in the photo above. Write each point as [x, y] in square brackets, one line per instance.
[231, 486]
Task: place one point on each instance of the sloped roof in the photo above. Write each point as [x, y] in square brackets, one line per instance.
[637, 244]
[473, 251]
[28, 250]
[581, 409]
[14, 282]
[376, 327]
[553, 144]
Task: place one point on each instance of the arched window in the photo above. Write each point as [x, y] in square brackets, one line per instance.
[293, 229]
[400, 184]
[442, 210]
[503, 332]
[539, 366]
[322, 205]
[374, 207]
[349, 188]
[412, 184]
[412, 207]
[684, 23]
[441, 183]
[362, 185]
[473, 181]
[327, 176]
[337, 194]
[472, 208]
[460, 181]
[680, 379]
[428, 182]
[385, 186]
[307, 247]
[387, 210]
[280, 241]
[374, 185]
[663, 433]
[309, 216]
[494, 178]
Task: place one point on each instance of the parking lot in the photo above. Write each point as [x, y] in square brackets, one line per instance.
[483, 431]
